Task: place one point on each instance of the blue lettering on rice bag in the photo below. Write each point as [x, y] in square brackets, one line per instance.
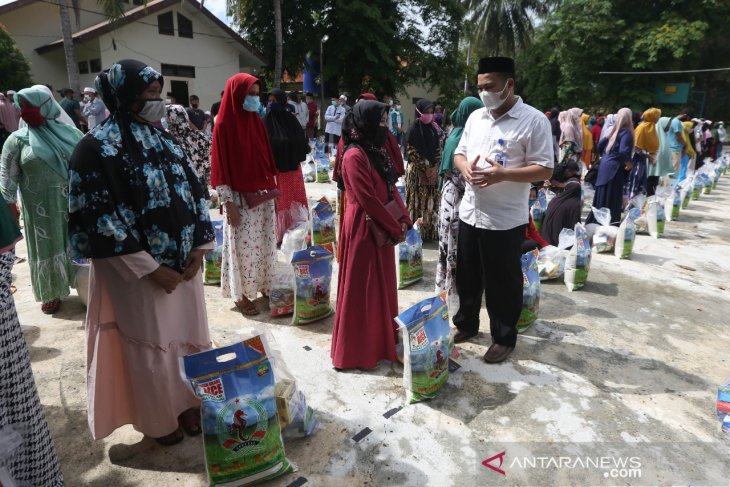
[241, 426]
[410, 259]
[324, 231]
[530, 291]
[578, 262]
[428, 343]
[313, 273]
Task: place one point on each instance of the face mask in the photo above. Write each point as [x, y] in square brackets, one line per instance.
[153, 110]
[168, 102]
[426, 118]
[32, 116]
[397, 107]
[87, 98]
[334, 103]
[493, 100]
[381, 136]
[390, 102]
[252, 103]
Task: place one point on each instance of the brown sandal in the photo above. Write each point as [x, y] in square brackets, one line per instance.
[190, 422]
[247, 308]
[51, 307]
[172, 439]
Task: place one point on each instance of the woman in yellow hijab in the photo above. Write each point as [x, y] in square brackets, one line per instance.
[587, 155]
[687, 163]
[646, 147]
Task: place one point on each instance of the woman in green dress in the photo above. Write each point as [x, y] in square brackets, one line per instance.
[35, 161]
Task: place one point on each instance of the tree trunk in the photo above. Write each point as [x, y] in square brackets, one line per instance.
[279, 48]
[68, 48]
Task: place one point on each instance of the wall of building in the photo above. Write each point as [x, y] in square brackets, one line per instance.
[411, 93]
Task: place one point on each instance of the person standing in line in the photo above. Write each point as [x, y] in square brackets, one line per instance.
[395, 121]
[243, 171]
[334, 116]
[195, 143]
[94, 109]
[71, 106]
[494, 210]
[555, 127]
[302, 111]
[313, 112]
[675, 135]
[198, 120]
[646, 147]
[214, 109]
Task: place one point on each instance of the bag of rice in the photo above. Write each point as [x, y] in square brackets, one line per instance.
[530, 291]
[428, 343]
[409, 255]
[723, 399]
[627, 235]
[706, 182]
[322, 167]
[673, 203]
[588, 192]
[324, 228]
[241, 425]
[538, 209]
[281, 297]
[604, 237]
[313, 272]
[696, 187]
[308, 172]
[213, 259]
[660, 217]
[578, 262]
[551, 260]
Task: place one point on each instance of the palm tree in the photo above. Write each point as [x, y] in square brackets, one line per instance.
[503, 26]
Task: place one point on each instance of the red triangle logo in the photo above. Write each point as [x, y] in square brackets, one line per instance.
[498, 469]
[256, 344]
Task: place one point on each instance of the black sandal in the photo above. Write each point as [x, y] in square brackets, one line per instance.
[172, 439]
[189, 421]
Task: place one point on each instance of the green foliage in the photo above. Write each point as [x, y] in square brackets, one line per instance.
[14, 67]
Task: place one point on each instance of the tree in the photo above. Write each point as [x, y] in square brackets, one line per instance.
[14, 67]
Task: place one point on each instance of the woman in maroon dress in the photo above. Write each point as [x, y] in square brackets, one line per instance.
[367, 299]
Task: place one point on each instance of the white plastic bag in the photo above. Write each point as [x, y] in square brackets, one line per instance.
[627, 235]
[604, 237]
[578, 262]
[551, 260]
[281, 296]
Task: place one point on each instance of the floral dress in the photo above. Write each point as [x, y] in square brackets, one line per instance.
[422, 192]
[195, 144]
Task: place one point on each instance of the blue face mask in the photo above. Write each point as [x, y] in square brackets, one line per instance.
[252, 103]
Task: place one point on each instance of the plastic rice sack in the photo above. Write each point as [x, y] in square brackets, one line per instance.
[241, 425]
[673, 204]
[530, 291]
[696, 187]
[706, 182]
[313, 273]
[627, 235]
[538, 209]
[578, 262]
[604, 237]
[551, 260]
[660, 219]
[723, 399]
[428, 342]
[588, 192]
[410, 258]
[686, 196]
[281, 297]
[324, 228]
[213, 259]
[309, 173]
[322, 168]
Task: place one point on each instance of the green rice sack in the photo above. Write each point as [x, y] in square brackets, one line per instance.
[241, 426]
[428, 343]
[313, 274]
[410, 258]
[530, 291]
[578, 262]
[538, 209]
[627, 235]
[324, 228]
[213, 259]
[322, 168]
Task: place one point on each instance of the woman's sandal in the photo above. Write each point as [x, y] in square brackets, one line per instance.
[51, 307]
[247, 308]
[172, 439]
[189, 421]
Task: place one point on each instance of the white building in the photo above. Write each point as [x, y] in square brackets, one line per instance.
[194, 50]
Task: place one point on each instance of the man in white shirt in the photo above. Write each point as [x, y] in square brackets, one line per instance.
[302, 110]
[334, 116]
[92, 108]
[494, 211]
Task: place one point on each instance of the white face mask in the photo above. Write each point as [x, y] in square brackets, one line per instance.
[493, 99]
[153, 110]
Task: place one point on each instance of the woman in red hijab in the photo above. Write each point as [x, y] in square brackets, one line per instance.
[243, 171]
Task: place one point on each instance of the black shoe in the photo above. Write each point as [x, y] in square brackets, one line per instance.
[462, 336]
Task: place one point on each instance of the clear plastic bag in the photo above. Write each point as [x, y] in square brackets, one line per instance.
[281, 297]
[627, 235]
[551, 260]
[604, 236]
[578, 262]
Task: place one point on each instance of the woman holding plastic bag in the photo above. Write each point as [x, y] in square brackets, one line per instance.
[613, 167]
[367, 299]
[646, 146]
[451, 184]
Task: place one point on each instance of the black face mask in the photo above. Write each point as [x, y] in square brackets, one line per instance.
[380, 137]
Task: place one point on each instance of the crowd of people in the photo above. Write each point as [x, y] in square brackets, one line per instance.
[133, 194]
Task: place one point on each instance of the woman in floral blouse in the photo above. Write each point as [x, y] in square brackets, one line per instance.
[138, 210]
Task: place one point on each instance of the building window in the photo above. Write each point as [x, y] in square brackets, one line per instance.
[83, 67]
[179, 71]
[184, 26]
[165, 24]
[95, 65]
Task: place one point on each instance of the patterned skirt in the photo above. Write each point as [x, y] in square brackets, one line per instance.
[423, 202]
[34, 462]
[451, 194]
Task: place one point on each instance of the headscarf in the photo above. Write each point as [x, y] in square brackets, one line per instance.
[623, 121]
[360, 127]
[591, 122]
[608, 126]
[663, 164]
[8, 114]
[562, 212]
[645, 136]
[241, 157]
[587, 137]
[53, 142]
[132, 188]
[286, 135]
[458, 119]
[63, 117]
[426, 139]
[570, 130]
[195, 143]
[688, 127]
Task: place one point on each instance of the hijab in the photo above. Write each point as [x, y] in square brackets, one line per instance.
[664, 157]
[608, 126]
[587, 137]
[592, 121]
[286, 135]
[570, 130]
[360, 128]
[688, 128]
[623, 121]
[196, 144]
[459, 117]
[63, 117]
[562, 212]
[645, 135]
[53, 142]
[131, 186]
[8, 114]
[241, 156]
[426, 139]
